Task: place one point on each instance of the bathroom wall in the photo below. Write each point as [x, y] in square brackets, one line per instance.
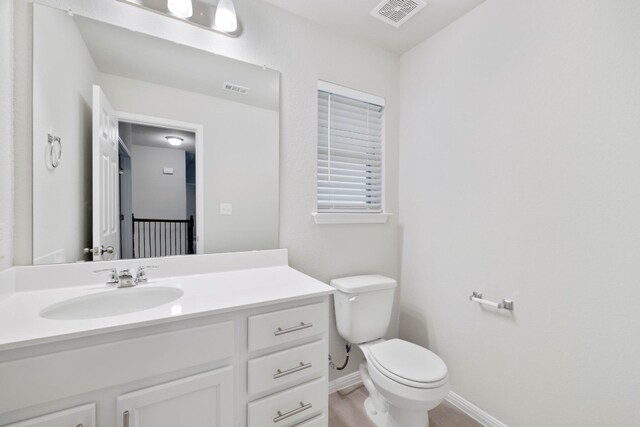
[63, 75]
[304, 52]
[156, 195]
[519, 178]
[6, 136]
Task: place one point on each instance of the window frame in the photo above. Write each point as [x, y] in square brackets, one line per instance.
[353, 217]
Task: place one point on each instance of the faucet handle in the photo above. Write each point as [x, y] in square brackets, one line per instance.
[141, 274]
[113, 275]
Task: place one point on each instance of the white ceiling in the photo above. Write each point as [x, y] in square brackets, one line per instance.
[352, 17]
[151, 136]
[125, 53]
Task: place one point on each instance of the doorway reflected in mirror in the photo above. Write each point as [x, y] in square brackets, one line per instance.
[157, 191]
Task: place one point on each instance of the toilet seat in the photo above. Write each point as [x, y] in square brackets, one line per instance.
[408, 364]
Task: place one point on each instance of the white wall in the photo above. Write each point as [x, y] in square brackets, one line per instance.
[63, 75]
[6, 134]
[156, 195]
[520, 178]
[304, 52]
[240, 159]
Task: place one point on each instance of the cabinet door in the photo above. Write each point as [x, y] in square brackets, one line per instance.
[204, 400]
[80, 416]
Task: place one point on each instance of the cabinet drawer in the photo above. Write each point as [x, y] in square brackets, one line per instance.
[319, 421]
[287, 366]
[84, 416]
[291, 406]
[270, 329]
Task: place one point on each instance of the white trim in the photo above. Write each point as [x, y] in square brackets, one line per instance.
[198, 129]
[346, 381]
[473, 411]
[350, 93]
[350, 218]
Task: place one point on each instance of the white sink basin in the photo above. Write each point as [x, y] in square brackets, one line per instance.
[111, 303]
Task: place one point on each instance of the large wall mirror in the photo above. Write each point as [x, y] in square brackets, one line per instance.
[146, 148]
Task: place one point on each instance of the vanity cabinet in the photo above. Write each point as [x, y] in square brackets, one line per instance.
[204, 400]
[81, 416]
[260, 366]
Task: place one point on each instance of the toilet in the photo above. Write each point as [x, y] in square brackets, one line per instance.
[404, 380]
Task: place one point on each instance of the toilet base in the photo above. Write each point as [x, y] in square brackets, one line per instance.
[395, 417]
[402, 418]
[382, 414]
[377, 417]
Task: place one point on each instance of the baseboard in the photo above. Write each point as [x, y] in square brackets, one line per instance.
[473, 411]
[456, 400]
[344, 382]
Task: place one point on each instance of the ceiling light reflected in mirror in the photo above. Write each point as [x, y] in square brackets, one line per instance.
[176, 141]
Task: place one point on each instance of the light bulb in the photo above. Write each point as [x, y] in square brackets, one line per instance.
[226, 19]
[180, 8]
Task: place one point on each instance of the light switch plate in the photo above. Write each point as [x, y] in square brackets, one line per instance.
[167, 171]
[226, 209]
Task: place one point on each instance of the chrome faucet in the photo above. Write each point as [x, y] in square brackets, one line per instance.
[141, 274]
[113, 276]
[125, 279]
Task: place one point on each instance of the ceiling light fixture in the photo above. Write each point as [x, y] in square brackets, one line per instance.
[174, 140]
[221, 19]
[226, 19]
[180, 8]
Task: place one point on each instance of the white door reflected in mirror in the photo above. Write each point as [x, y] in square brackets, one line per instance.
[106, 196]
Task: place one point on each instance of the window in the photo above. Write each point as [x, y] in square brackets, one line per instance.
[350, 155]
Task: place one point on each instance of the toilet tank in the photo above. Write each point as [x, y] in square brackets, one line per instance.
[363, 306]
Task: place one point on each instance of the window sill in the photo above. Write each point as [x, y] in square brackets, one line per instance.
[350, 218]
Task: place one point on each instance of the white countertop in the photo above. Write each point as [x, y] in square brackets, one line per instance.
[204, 294]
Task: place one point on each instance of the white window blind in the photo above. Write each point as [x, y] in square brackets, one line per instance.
[350, 136]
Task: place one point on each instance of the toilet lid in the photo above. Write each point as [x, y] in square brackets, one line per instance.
[407, 361]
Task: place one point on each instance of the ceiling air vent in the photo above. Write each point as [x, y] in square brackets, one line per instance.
[397, 12]
[235, 88]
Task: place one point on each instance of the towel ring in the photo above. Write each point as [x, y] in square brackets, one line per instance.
[53, 157]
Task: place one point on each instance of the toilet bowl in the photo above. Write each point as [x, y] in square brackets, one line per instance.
[404, 380]
[411, 379]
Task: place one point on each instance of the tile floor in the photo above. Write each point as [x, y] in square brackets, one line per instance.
[346, 410]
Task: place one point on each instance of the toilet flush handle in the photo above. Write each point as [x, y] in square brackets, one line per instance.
[353, 298]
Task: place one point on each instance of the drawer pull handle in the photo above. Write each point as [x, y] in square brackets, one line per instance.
[291, 413]
[301, 367]
[299, 327]
[125, 419]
